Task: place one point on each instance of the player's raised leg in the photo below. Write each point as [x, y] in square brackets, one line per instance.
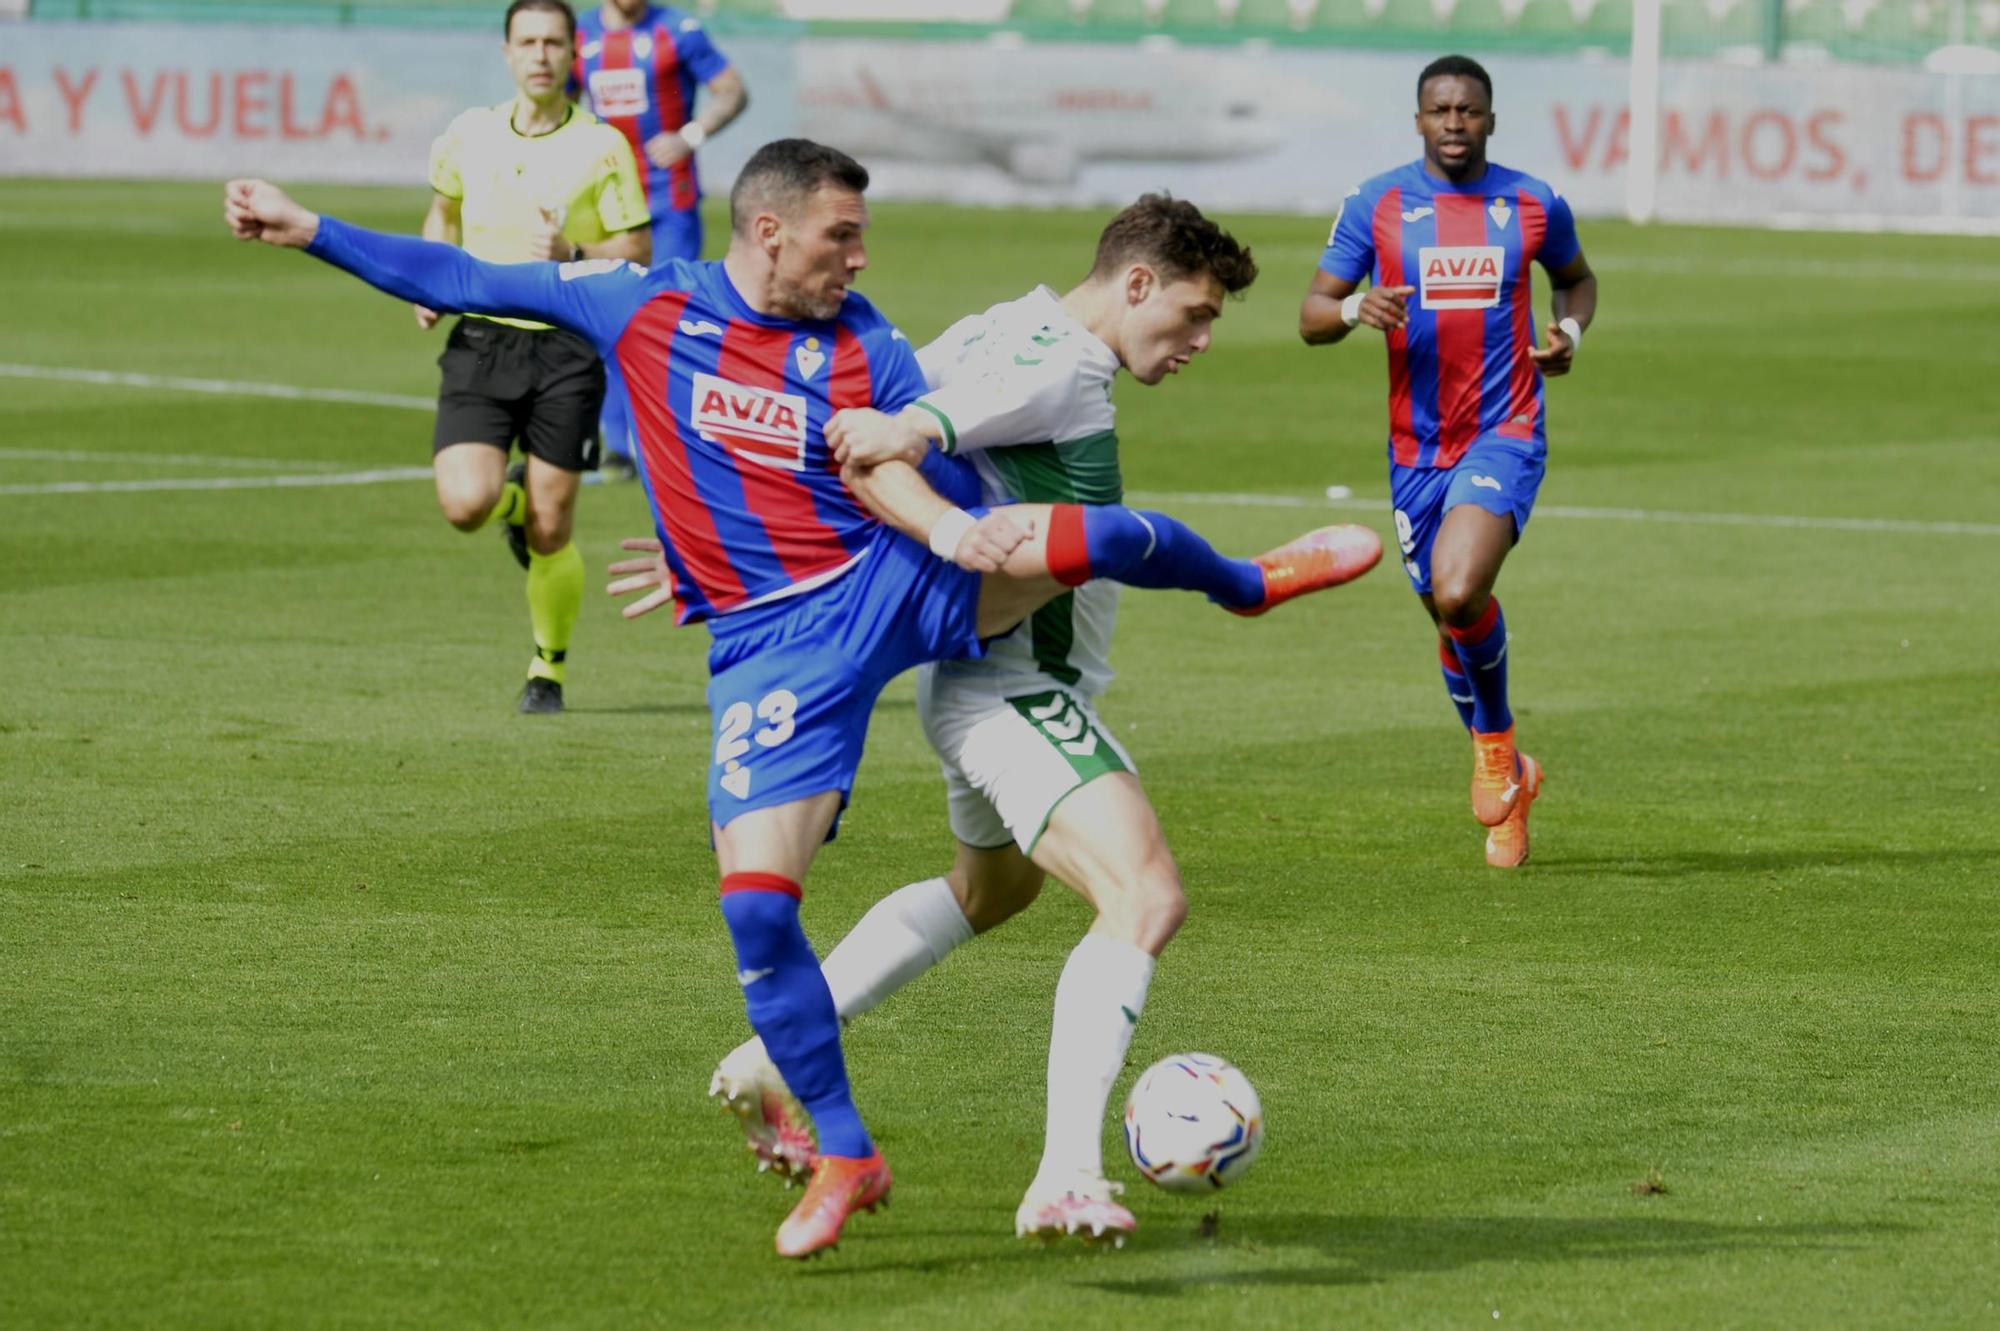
[1070, 544]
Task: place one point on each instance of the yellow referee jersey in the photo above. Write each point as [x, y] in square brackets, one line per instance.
[583, 171]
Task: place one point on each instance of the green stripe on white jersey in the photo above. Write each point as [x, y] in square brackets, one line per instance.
[1028, 390]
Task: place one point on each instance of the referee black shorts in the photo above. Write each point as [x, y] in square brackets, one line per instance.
[542, 386]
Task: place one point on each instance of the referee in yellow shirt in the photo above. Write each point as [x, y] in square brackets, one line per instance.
[535, 178]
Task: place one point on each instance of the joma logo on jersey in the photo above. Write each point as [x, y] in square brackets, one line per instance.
[757, 424]
[618, 92]
[1461, 277]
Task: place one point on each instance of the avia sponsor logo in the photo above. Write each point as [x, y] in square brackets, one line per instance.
[1460, 277]
[618, 92]
[757, 424]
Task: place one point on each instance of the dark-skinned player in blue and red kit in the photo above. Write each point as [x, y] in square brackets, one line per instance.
[1446, 242]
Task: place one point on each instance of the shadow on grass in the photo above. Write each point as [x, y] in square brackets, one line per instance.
[701, 708]
[1683, 864]
[1371, 1249]
[1327, 1251]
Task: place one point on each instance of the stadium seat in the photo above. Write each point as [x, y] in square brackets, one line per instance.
[1818, 22]
[1048, 13]
[1125, 15]
[1710, 25]
[1274, 17]
[1473, 20]
[1347, 16]
[1195, 17]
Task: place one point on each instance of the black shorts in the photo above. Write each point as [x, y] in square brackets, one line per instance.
[542, 386]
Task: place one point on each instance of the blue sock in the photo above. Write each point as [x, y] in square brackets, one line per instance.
[615, 423]
[791, 1007]
[1455, 683]
[1482, 649]
[1144, 549]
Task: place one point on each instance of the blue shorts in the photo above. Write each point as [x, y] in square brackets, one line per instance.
[1499, 474]
[792, 684]
[677, 235]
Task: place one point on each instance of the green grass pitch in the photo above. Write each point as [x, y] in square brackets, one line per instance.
[337, 995]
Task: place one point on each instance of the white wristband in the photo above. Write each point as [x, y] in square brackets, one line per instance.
[1350, 310]
[1573, 331]
[692, 134]
[949, 530]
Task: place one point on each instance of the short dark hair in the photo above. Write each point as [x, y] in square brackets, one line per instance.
[1173, 236]
[1458, 66]
[552, 6]
[783, 172]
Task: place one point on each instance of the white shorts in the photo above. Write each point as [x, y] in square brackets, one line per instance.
[1011, 751]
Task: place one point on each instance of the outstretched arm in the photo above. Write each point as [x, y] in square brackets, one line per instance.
[429, 273]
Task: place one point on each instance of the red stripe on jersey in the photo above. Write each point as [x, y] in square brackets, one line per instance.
[852, 384]
[1461, 337]
[673, 113]
[617, 54]
[643, 351]
[1524, 405]
[1388, 228]
[755, 356]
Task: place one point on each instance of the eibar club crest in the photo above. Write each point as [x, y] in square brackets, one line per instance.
[1499, 212]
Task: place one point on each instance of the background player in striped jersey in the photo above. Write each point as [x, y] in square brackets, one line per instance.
[534, 178]
[1467, 434]
[638, 66]
[1035, 782]
[735, 368]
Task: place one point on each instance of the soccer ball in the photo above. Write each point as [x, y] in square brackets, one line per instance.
[1193, 1123]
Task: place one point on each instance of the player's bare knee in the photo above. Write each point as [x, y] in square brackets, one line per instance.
[547, 535]
[466, 509]
[1460, 598]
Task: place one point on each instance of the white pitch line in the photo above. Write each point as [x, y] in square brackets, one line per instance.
[223, 482]
[292, 392]
[222, 387]
[1775, 520]
[161, 459]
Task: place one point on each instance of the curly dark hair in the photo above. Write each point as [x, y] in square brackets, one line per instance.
[1172, 235]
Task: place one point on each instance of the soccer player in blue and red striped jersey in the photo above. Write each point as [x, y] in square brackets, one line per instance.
[735, 369]
[638, 66]
[1446, 242]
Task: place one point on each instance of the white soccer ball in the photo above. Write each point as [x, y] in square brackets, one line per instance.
[1193, 1123]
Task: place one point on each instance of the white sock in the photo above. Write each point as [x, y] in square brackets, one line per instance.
[902, 936]
[1098, 1002]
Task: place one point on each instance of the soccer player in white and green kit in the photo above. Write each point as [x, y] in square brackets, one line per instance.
[1036, 784]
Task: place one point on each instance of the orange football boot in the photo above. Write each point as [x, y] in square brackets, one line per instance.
[1498, 774]
[841, 1185]
[1314, 562]
[1507, 844]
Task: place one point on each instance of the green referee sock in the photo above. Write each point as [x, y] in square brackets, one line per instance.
[555, 598]
[512, 508]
